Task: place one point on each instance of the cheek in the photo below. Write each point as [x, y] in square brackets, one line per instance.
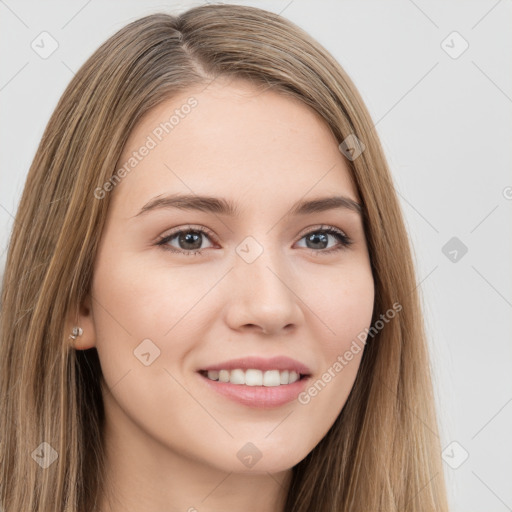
[342, 303]
[345, 311]
[140, 316]
[141, 302]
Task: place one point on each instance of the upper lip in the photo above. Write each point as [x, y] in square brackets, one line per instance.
[280, 363]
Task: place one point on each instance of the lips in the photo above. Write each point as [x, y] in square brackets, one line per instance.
[252, 393]
[253, 381]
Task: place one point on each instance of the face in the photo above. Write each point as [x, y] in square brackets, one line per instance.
[178, 290]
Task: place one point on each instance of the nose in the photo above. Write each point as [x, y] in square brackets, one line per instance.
[264, 299]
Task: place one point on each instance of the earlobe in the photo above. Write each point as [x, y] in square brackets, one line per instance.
[82, 334]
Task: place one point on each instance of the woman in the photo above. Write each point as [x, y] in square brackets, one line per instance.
[268, 372]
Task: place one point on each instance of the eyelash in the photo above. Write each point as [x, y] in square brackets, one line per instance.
[344, 240]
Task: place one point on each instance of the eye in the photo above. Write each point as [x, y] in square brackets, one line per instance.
[318, 238]
[189, 240]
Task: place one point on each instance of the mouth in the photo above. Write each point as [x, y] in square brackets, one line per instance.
[255, 377]
[255, 388]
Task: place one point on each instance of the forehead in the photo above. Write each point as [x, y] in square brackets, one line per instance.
[232, 139]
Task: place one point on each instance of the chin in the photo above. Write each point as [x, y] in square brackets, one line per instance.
[250, 460]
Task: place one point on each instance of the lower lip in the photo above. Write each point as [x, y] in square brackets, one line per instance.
[263, 397]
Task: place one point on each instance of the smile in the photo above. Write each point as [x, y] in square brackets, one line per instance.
[254, 377]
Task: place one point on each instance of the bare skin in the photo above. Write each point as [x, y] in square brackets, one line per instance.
[171, 441]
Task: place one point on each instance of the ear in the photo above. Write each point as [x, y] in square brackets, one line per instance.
[85, 320]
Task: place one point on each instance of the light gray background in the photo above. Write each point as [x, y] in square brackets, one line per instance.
[445, 126]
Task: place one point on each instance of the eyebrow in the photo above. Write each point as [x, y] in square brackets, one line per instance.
[219, 205]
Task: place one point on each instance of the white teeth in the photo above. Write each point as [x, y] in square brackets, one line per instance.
[237, 377]
[252, 377]
[213, 375]
[224, 376]
[271, 378]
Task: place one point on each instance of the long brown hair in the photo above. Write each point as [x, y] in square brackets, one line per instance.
[383, 451]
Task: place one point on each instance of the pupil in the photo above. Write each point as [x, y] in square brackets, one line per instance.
[188, 238]
[314, 238]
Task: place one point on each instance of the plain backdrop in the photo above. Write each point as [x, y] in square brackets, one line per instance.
[436, 77]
